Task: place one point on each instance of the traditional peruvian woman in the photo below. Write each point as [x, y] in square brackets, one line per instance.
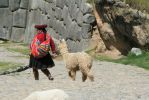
[40, 57]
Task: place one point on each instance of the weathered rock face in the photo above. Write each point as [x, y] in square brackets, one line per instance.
[133, 24]
[72, 20]
[126, 27]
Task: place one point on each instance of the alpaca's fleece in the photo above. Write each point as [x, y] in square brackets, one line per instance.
[54, 94]
[76, 61]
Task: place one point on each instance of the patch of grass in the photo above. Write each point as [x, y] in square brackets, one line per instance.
[24, 51]
[139, 4]
[91, 1]
[130, 59]
[16, 47]
[4, 66]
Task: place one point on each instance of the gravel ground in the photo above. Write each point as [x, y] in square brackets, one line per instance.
[112, 82]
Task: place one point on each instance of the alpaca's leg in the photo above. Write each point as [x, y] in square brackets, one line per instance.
[47, 73]
[90, 75]
[69, 74]
[84, 77]
[73, 75]
[87, 71]
[36, 74]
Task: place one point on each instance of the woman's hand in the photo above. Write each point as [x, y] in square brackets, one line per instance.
[54, 55]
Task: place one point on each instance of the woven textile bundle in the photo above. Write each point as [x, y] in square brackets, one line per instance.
[39, 50]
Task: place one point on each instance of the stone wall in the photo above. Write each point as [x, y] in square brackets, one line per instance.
[72, 20]
[13, 14]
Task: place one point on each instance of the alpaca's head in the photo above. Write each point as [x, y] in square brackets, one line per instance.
[62, 46]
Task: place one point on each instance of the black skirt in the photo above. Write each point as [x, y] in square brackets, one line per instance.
[41, 63]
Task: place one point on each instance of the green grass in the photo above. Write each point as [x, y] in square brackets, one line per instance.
[16, 47]
[5, 66]
[90, 1]
[24, 51]
[130, 59]
[139, 4]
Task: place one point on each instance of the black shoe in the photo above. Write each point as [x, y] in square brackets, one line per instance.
[51, 78]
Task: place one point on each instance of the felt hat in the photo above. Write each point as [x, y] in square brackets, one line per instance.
[41, 26]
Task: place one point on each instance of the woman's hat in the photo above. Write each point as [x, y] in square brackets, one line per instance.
[41, 26]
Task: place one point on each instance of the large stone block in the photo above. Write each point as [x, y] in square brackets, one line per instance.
[54, 23]
[75, 46]
[48, 8]
[42, 6]
[57, 26]
[50, 23]
[44, 19]
[52, 13]
[5, 32]
[60, 27]
[71, 45]
[76, 30]
[63, 31]
[79, 18]
[17, 34]
[6, 17]
[73, 31]
[58, 13]
[87, 8]
[67, 21]
[24, 4]
[4, 3]
[34, 17]
[71, 6]
[53, 6]
[19, 18]
[34, 4]
[85, 31]
[6, 23]
[82, 5]
[78, 46]
[89, 18]
[84, 44]
[66, 2]
[78, 34]
[60, 3]
[14, 4]
[78, 2]
[50, 1]
[65, 14]
[52, 32]
[73, 12]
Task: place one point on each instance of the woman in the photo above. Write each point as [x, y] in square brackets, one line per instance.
[41, 62]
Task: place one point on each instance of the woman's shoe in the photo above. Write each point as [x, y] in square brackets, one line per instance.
[51, 78]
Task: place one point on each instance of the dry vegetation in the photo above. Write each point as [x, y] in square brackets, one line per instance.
[139, 4]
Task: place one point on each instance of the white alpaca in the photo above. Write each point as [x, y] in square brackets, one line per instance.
[54, 94]
[76, 61]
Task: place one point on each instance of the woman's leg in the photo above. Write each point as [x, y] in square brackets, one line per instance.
[36, 74]
[47, 73]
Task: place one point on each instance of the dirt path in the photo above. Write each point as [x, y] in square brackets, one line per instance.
[112, 82]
